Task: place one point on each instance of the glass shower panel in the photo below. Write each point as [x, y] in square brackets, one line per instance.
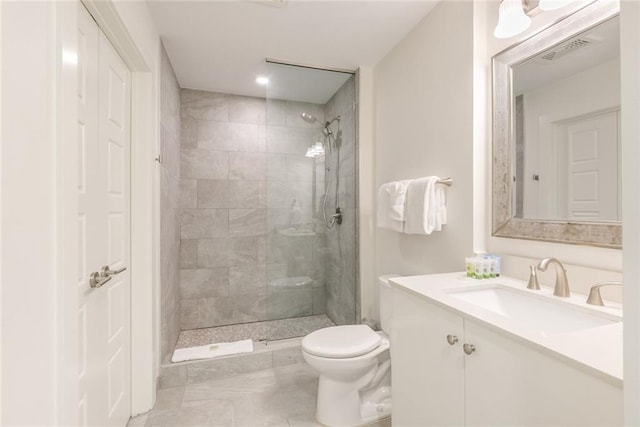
[311, 164]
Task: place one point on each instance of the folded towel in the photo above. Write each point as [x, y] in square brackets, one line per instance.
[440, 207]
[426, 210]
[212, 350]
[391, 203]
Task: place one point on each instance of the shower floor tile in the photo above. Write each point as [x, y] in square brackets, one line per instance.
[269, 330]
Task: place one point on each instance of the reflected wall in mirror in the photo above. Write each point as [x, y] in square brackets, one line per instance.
[556, 121]
[567, 107]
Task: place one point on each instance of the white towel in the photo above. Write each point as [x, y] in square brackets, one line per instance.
[426, 210]
[212, 350]
[391, 205]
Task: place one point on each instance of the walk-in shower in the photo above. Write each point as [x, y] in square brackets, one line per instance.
[267, 208]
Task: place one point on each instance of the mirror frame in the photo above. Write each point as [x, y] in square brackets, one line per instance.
[504, 224]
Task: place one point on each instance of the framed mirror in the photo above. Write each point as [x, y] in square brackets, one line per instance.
[556, 132]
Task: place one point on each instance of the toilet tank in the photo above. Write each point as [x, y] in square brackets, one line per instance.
[384, 294]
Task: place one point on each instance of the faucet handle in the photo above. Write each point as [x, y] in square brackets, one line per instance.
[594, 297]
[533, 279]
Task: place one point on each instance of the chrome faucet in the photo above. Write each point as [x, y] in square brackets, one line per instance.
[562, 285]
[594, 294]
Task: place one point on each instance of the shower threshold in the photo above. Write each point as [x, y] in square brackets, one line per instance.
[268, 330]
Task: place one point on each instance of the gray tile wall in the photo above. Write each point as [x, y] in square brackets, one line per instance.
[341, 263]
[170, 202]
[242, 166]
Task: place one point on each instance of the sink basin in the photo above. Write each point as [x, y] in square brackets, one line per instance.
[534, 311]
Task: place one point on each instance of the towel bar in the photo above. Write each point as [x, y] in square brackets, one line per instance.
[446, 181]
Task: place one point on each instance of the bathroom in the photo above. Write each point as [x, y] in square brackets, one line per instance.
[421, 108]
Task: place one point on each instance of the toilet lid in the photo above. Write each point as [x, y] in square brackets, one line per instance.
[341, 341]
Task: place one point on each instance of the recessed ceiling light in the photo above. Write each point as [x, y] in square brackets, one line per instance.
[262, 80]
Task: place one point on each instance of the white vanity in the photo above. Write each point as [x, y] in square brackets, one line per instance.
[493, 353]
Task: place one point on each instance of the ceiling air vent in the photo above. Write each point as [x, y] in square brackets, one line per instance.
[564, 49]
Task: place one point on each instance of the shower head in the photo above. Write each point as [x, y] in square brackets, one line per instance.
[309, 118]
[325, 126]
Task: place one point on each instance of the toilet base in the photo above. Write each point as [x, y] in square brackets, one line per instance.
[377, 407]
[351, 404]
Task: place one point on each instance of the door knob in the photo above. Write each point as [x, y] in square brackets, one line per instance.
[106, 272]
[96, 280]
[452, 339]
[469, 348]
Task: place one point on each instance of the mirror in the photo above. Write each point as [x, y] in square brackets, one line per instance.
[556, 115]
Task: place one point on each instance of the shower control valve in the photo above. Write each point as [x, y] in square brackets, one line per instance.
[338, 216]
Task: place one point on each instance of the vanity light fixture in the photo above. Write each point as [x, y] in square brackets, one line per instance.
[511, 19]
[514, 16]
[261, 80]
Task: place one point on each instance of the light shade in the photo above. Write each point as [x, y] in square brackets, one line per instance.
[511, 19]
[553, 4]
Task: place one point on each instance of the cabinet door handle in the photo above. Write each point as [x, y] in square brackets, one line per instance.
[452, 339]
[469, 348]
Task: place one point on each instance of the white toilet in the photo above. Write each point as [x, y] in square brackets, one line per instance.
[355, 368]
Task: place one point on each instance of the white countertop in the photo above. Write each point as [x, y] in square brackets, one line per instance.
[597, 350]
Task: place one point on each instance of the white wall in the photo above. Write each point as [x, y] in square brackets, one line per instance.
[39, 247]
[1, 400]
[366, 190]
[630, 46]
[28, 216]
[424, 113]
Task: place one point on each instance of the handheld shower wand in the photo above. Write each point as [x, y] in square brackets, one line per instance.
[336, 217]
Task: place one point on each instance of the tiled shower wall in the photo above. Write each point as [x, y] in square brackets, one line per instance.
[242, 168]
[341, 266]
[170, 190]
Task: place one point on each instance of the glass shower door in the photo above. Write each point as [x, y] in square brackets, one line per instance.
[302, 153]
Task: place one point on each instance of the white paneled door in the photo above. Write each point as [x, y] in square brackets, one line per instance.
[592, 168]
[104, 229]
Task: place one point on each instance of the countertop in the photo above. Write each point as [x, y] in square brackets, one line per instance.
[598, 350]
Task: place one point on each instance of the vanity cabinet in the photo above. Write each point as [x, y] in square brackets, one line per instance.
[427, 372]
[504, 381]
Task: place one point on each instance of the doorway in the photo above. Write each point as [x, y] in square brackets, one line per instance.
[104, 238]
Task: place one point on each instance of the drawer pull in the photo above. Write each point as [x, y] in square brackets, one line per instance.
[452, 339]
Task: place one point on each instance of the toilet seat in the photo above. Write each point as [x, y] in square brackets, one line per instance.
[340, 342]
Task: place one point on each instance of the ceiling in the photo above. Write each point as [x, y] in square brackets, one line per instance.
[221, 46]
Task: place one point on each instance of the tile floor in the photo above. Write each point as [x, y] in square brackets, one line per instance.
[278, 397]
[270, 330]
